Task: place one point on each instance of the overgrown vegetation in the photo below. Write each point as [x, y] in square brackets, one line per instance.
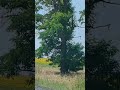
[22, 26]
[49, 77]
[20, 17]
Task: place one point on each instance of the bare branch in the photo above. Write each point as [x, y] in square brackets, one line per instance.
[111, 2]
[77, 37]
[80, 26]
[108, 25]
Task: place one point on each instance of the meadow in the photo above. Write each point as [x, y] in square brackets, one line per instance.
[49, 77]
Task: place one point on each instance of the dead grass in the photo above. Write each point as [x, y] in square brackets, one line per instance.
[48, 76]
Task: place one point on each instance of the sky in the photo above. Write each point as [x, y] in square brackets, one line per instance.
[104, 17]
[78, 5]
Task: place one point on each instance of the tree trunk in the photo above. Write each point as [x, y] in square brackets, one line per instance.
[63, 63]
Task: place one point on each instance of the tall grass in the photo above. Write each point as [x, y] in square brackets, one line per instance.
[49, 77]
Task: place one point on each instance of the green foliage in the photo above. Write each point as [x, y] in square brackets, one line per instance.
[56, 30]
[100, 57]
[22, 24]
[82, 17]
[38, 52]
[101, 66]
[75, 57]
[102, 70]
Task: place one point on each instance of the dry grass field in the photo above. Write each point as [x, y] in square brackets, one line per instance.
[49, 77]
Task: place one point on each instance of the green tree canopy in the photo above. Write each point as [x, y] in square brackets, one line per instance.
[56, 32]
